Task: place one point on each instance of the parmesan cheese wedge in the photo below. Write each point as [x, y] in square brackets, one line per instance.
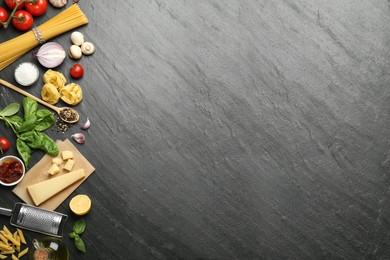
[42, 191]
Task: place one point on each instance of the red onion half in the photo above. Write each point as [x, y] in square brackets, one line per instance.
[51, 55]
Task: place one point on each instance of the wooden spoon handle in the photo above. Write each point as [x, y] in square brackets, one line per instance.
[21, 91]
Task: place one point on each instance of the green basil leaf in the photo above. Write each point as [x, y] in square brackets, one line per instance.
[48, 145]
[45, 119]
[30, 107]
[29, 124]
[15, 121]
[41, 113]
[41, 141]
[10, 110]
[24, 151]
[72, 235]
[79, 243]
[79, 226]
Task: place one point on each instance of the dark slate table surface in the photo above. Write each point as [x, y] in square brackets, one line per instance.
[231, 129]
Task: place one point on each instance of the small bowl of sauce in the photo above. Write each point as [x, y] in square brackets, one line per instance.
[12, 170]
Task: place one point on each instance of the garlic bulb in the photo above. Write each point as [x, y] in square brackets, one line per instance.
[58, 3]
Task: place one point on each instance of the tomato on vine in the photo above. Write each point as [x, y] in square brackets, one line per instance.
[22, 20]
[37, 7]
[12, 3]
[3, 15]
[4, 144]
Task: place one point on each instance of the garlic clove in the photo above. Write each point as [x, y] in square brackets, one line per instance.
[58, 3]
[77, 38]
[79, 138]
[75, 52]
[87, 48]
[86, 125]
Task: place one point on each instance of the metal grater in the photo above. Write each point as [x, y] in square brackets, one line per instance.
[36, 219]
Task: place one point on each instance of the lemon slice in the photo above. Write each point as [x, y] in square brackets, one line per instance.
[80, 204]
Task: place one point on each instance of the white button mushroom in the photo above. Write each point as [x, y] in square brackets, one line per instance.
[75, 52]
[77, 38]
[87, 48]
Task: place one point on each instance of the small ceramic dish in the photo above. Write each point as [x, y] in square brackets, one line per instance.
[11, 166]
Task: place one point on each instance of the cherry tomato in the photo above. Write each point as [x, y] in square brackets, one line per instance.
[77, 71]
[3, 15]
[12, 3]
[22, 20]
[37, 9]
[4, 144]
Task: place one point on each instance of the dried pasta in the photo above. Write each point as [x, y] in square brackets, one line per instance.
[71, 94]
[50, 93]
[10, 244]
[13, 49]
[55, 78]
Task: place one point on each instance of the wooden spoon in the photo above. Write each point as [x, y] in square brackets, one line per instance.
[63, 112]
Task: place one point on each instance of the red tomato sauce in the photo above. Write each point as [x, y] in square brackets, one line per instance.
[10, 171]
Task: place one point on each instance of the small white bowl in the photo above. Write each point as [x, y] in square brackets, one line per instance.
[11, 157]
[26, 74]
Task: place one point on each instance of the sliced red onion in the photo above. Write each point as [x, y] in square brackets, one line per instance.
[79, 138]
[51, 55]
[86, 125]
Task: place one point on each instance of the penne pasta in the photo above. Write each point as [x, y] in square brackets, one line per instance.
[2, 238]
[21, 235]
[22, 253]
[6, 230]
[8, 252]
[13, 240]
[10, 243]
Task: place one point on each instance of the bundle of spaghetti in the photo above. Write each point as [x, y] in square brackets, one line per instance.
[13, 49]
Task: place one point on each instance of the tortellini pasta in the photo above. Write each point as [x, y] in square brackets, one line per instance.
[55, 88]
[71, 94]
[50, 93]
[55, 78]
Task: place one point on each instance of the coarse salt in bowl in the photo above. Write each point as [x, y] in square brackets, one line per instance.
[8, 161]
[26, 74]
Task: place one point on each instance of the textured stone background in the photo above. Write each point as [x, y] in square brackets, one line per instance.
[232, 129]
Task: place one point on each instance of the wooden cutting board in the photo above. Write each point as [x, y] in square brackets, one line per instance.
[39, 173]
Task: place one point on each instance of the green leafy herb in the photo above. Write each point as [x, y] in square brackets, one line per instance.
[10, 110]
[28, 129]
[72, 234]
[79, 243]
[78, 228]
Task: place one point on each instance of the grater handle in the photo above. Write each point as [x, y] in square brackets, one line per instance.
[6, 212]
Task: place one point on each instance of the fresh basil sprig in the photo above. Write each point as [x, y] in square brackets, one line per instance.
[78, 229]
[29, 128]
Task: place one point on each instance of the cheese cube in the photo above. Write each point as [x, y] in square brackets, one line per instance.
[69, 165]
[42, 191]
[57, 161]
[54, 169]
[67, 155]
